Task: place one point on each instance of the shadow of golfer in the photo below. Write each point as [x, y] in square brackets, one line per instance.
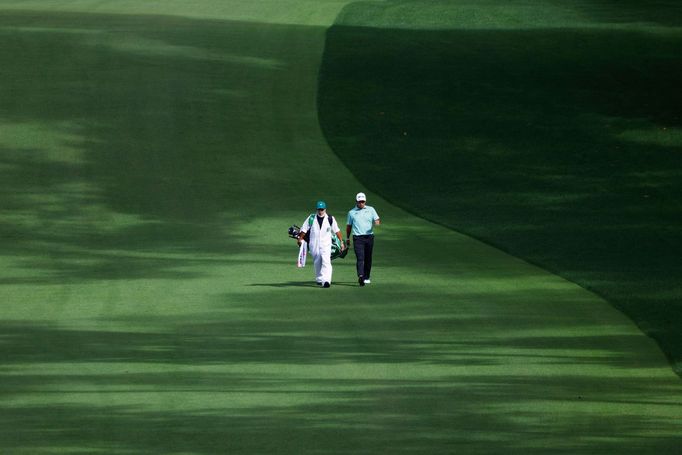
[288, 284]
[303, 284]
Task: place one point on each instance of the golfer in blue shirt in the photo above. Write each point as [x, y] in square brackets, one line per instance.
[361, 221]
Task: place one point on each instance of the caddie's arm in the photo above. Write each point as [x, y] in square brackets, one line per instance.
[301, 236]
[340, 237]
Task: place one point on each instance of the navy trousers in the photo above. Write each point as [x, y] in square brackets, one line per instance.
[363, 246]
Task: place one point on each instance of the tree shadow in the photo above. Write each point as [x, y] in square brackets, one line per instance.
[277, 384]
[558, 145]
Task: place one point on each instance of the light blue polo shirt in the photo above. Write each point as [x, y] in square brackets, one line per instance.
[362, 220]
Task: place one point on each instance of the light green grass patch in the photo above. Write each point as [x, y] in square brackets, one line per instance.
[658, 136]
[308, 12]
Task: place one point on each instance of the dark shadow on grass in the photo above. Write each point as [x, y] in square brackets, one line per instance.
[345, 283]
[560, 146]
[478, 409]
[288, 284]
[472, 372]
[345, 425]
[660, 12]
[308, 284]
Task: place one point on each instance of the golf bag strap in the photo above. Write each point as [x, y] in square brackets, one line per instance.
[312, 217]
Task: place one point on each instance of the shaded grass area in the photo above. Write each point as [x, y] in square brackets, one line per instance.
[298, 377]
[347, 425]
[556, 138]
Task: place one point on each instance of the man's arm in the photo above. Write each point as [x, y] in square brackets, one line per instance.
[337, 231]
[302, 233]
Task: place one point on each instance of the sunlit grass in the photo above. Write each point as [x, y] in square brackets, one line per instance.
[309, 12]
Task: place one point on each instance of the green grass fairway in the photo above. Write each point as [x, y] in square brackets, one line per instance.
[151, 159]
[551, 129]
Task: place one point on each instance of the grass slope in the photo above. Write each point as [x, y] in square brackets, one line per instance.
[552, 130]
[149, 166]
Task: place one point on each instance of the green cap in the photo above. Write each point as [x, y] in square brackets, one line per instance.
[321, 205]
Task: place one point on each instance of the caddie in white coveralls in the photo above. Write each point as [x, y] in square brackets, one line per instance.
[320, 244]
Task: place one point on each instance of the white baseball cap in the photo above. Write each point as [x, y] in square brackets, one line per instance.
[360, 197]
